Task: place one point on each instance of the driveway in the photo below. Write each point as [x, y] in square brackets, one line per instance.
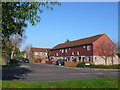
[45, 72]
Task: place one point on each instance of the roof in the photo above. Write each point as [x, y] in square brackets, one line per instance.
[39, 49]
[88, 40]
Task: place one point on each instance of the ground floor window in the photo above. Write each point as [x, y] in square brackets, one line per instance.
[74, 60]
[89, 59]
[83, 59]
[68, 58]
[79, 58]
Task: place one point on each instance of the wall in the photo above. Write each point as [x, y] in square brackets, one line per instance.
[101, 61]
[71, 63]
[83, 51]
[102, 46]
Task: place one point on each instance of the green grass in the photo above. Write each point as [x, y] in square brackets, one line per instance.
[105, 66]
[83, 83]
[82, 65]
[11, 65]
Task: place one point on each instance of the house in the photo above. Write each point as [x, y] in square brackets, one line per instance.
[94, 49]
[25, 54]
[39, 54]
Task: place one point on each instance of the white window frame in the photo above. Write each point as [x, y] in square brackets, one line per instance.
[66, 50]
[84, 46]
[73, 53]
[36, 53]
[88, 48]
[78, 53]
[56, 54]
[88, 59]
[62, 50]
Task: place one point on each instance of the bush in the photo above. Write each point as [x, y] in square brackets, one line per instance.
[82, 64]
[16, 59]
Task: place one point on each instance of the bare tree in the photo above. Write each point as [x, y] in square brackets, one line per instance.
[16, 41]
[106, 49]
[28, 47]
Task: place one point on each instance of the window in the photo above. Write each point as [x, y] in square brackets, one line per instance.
[66, 50]
[78, 53]
[89, 59]
[83, 58]
[73, 53]
[36, 53]
[88, 48]
[62, 50]
[45, 53]
[40, 53]
[79, 58]
[56, 54]
[84, 46]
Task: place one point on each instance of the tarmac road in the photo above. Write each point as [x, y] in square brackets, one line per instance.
[45, 72]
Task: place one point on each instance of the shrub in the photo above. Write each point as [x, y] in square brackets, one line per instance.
[82, 64]
[16, 59]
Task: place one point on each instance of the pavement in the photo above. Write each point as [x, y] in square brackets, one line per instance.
[45, 72]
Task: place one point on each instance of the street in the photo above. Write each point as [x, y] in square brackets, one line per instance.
[45, 72]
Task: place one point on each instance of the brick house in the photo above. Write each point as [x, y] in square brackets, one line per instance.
[38, 54]
[84, 50]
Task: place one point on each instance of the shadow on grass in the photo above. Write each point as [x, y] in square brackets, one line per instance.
[14, 73]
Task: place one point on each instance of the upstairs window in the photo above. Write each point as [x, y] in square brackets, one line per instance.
[36, 53]
[88, 48]
[56, 54]
[62, 50]
[73, 53]
[84, 46]
[66, 50]
[78, 53]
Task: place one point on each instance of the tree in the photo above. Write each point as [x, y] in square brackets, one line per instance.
[16, 41]
[28, 47]
[15, 15]
[67, 40]
[106, 49]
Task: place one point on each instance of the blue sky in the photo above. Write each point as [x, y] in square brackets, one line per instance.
[73, 20]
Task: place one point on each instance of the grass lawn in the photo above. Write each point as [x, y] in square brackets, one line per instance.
[83, 83]
[99, 66]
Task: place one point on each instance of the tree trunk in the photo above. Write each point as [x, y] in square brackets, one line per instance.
[12, 55]
[105, 61]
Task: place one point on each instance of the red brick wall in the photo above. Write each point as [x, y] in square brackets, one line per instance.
[104, 42]
[50, 62]
[71, 63]
[83, 52]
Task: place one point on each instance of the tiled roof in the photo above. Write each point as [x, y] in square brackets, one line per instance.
[39, 49]
[88, 40]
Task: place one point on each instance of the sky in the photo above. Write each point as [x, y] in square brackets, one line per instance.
[73, 21]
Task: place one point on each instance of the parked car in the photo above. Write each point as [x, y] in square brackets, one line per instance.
[20, 60]
[26, 60]
[60, 62]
